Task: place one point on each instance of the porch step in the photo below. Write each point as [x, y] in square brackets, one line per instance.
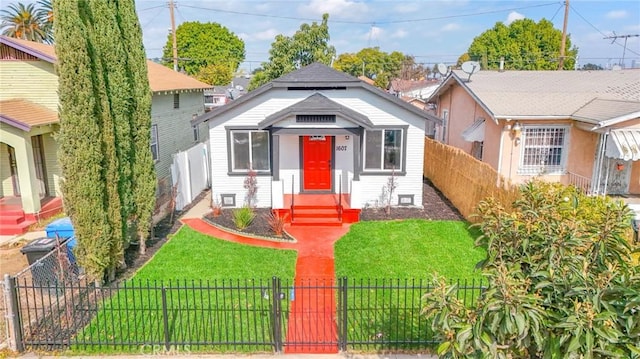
[322, 215]
[11, 219]
[311, 221]
[15, 229]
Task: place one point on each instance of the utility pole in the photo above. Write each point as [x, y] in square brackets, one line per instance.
[624, 50]
[173, 34]
[563, 43]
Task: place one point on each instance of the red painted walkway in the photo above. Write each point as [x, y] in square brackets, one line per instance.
[312, 314]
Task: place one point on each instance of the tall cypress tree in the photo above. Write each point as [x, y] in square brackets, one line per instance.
[120, 113]
[80, 140]
[144, 178]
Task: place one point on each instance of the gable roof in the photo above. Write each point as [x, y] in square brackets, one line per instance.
[317, 104]
[544, 94]
[161, 78]
[24, 114]
[314, 76]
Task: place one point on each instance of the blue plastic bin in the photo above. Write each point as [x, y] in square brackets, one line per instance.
[62, 228]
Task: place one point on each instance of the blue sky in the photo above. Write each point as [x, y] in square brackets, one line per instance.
[432, 31]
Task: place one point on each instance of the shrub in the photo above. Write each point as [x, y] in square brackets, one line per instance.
[242, 217]
[560, 282]
[276, 222]
[251, 185]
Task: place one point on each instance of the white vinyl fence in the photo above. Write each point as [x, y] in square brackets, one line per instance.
[190, 172]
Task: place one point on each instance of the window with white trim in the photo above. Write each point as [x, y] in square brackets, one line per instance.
[155, 151]
[383, 150]
[249, 150]
[544, 150]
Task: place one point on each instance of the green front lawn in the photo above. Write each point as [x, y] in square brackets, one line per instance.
[410, 249]
[398, 259]
[213, 291]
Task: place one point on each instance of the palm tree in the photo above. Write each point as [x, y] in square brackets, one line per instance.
[45, 13]
[25, 22]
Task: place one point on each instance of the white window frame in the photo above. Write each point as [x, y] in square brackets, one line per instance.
[543, 168]
[153, 143]
[232, 168]
[400, 167]
[445, 124]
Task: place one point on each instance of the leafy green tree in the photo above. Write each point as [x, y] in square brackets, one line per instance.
[213, 74]
[80, 141]
[561, 282]
[411, 70]
[524, 44]
[308, 45]
[378, 65]
[27, 22]
[204, 44]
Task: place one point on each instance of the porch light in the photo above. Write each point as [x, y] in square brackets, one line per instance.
[516, 130]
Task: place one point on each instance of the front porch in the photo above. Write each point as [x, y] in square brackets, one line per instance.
[319, 209]
[14, 220]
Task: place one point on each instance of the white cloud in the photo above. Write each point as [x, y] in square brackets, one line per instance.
[513, 16]
[375, 33]
[268, 34]
[335, 8]
[399, 34]
[407, 8]
[616, 14]
[450, 27]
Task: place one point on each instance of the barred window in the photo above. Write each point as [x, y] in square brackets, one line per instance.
[155, 151]
[544, 150]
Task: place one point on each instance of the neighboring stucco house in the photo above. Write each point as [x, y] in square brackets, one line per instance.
[573, 127]
[313, 134]
[29, 171]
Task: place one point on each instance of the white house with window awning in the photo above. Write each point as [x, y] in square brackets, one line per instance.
[318, 131]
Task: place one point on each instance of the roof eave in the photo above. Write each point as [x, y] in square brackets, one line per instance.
[15, 123]
[230, 106]
[28, 50]
[453, 77]
[617, 120]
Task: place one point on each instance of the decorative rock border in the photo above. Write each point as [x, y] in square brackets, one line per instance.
[287, 238]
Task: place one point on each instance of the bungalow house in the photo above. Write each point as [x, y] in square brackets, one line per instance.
[573, 127]
[29, 171]
[322, 143]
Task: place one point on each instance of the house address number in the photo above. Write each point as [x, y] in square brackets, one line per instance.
[341, 148]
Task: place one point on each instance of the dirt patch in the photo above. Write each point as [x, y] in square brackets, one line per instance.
[12, 260]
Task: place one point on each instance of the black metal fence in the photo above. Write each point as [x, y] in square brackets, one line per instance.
[271, 315]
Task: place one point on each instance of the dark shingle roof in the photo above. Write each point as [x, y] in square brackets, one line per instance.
[316, 73]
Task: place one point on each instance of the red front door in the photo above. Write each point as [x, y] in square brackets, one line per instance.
[316, 163]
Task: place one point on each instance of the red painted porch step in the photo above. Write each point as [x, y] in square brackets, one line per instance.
[15, 229]
[308, 215]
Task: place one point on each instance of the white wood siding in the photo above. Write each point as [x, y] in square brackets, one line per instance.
[380, 111]
[35, 81]
[174, 128]
[54, 173]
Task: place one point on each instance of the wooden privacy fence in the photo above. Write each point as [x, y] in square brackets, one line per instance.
[464, 180]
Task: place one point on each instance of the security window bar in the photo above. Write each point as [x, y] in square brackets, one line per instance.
[176, 100]
[250, 150]
[316, 118]
[155, 154]
[544, 150]
[383, 150]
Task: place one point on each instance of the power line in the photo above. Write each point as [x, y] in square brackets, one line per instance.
[376, 22]
[598, 30]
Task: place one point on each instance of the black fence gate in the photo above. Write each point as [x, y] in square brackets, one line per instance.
[275, 315]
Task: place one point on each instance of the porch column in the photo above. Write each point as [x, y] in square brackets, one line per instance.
[29, 185]
[356, 157]
[275, 160]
